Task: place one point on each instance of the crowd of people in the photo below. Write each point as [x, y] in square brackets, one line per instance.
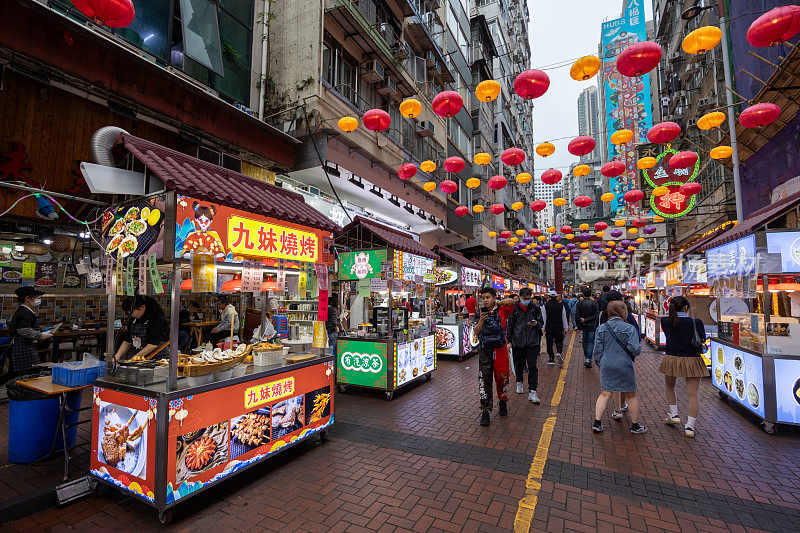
[511, 330]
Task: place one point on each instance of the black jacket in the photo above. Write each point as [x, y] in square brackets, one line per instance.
[518, 332]
[555, 315]
[588, 310]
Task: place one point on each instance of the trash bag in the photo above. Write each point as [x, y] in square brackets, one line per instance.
[18, 393]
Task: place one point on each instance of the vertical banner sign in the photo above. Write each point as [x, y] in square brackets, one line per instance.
[130, 284]
[143, 274]
[155, 277]
[120, 278]
[320, 335]
[627, 100]
[281, 280]
[301, 284]
[323, 281]
[204, 273]
[252, 276]
[322, 306]
[28, 270]
[109, 273]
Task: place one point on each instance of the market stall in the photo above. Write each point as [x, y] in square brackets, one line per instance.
[654, 304]
[457, 278]
[387, 280]
[169, 425]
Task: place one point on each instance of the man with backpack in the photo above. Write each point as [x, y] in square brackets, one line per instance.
[587, 316]
[493, 352]
[555, 327]
[524, 335]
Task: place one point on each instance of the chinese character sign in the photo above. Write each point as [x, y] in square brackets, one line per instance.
[247, 237]
[627, 100]
[268, 392]
[204, 273]
[674, 203]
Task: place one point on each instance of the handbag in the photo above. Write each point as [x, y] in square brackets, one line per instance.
[623, 346]
[697, 343]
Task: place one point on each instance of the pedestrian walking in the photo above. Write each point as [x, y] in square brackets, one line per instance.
[524, 335]
[493, 352]
[616, 347]
[571, 306]
[685, 338]
[554, 317]
[587, 314]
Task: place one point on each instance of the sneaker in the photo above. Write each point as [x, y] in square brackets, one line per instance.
[624, 408]
[551, 362]
[533, 397]
[673, 420]
[560, 358]
[520, 388]
[485, 420]
[689, 432]
[637, 429]
[503, 410]
[597, 426]
[617, 415]
[587, 363]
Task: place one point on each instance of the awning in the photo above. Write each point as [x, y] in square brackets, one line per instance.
[490, 270]
[190, 176]
[756, 221]
[392, 237]
[456, 257]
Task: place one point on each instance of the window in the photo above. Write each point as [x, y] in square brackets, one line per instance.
[201, 33]
[340, 70]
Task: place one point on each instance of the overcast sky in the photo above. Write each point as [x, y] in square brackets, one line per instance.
[562, 31]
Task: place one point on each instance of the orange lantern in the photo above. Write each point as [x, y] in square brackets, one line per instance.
[701, 40]
[711, 120]
[347, 124]
[619, 223]
[640, 240]
[584, 226]
[633, 231]
[558, 202]
[473, 183]
[545, 149]
[721, 152]
[523, 177]
[584, 68]
[520, 232]
[516, 206]
[492, 234]
[660, 191]
[621, 137]
[429, 186]
[482, 158]
[600, 234]
[607, 197]
[646, 163]
[427, 166]
[487, 90]
[410, 108]
[581, 170]
[658, 219]
[551, 229]
[477, 208]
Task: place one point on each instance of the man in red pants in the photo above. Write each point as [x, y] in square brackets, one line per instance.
[492, 352]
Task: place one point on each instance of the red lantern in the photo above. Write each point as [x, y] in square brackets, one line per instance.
[639, 59]
[497, 182]
[453, 164]
[531, 84]
[496, 209]
[612, 169]
[583, 201]
[663, 132]
[633, 196]
[759, 115]
[447, 103]
[581, 145]
[690, 189]
[538, 205]
[682, 160]
[774, 27]
[448, 186]
[600, 226]
[535, 232]
[551, 176]
[407, 171]
[376, 120]
[505, 234]
[639, 222]
[512, 156]
[111, 13]
[566, 229]
[461, 211]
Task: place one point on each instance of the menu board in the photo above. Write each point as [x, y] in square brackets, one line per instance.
[446, 276]
[650, 329]
[414, 358]
[447, 339]
[695, 271]
[497, 282]
[674, 273]
[786, 243]
[740, 375]
[412, 267]
[470, 277]
[736, 258]
[787, 390]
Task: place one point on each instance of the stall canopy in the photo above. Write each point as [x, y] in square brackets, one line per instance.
[452, 256]
[353, 236]
[193, 177]
[490, 270]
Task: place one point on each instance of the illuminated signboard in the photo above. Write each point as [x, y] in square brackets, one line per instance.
[412, 267]
[736, 258]
[674, 203]
[674, 273]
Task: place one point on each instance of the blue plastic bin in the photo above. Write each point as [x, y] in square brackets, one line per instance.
[65, 374]
[34, 423]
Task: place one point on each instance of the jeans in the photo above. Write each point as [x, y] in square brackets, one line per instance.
[332, 337]
[492, 364]
[588, 343]
[556, 337]
[527, 355]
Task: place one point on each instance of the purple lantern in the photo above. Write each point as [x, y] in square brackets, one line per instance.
[527, 240]
[555, 238]
[616, 233]
[649, 230]
[585, 236]
[571, 246]
[501, 240]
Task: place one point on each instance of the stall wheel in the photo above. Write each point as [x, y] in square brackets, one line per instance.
[769, 428]
[324, 435]
[165, 516]
[389, 394]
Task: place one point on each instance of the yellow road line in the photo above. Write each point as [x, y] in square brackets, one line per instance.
[527, 505]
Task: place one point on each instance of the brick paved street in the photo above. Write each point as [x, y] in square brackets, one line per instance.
[421, 462]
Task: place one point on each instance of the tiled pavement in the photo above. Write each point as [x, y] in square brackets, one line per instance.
[421, 462]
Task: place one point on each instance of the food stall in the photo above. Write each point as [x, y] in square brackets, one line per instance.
[166, 429]
[386, 284]
[655, 305]
[457, 278]
[687, 277]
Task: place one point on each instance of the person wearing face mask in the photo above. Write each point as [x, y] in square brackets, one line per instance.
[147, 329]
[524, 335]
[25, 332]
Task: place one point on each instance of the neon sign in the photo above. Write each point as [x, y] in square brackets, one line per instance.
[673, 204]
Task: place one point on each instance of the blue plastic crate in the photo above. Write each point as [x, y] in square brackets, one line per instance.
[69, 375]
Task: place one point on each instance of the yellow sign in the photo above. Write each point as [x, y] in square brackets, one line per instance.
[268, 392]
[28, 270]
[301, 285]
[320, 335]
[675, 273]
[247, 237]
[651, 280]
[204, 273]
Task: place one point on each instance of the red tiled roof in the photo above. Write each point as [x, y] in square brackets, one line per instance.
[487, 268]
[395, 238]
[455, 256]
[187, 175]
[755, 221]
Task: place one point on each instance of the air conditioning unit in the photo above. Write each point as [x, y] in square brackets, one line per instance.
[430, 59]
[477, 53]
[425, 128]
[388, 88]
[372, 71]
[705, 103]
[401, 50]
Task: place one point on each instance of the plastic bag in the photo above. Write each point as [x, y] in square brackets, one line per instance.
[18, 393]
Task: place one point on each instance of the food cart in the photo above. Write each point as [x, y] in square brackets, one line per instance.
[387, 281]
[654, 304]
[457, 278]
[179, 424]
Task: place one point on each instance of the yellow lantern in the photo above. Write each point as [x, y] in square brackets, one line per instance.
[558, 202]
[477, 208]
[524, 177]
[410, 108]
[619, 223]
[584, 68]
[541, 238]
[640, 240]
[581, 170]
[633, 231]
[564, 252]
[429, 186]
[545, 149]
[510, 243]
[516, 206]
[602, 256]
[551, 229]
[646, 162]
[492, 234]
[558, 246]
[601, 234]
[570, 236]
[701, 40]
[427, 166]
[658, 219]
[348, 124]
[482, 158]
[711, 120]
[660, 191]
[584, 245]
[520, 232]
[607, 197]
[631, 248]
[513, 239]
[487, 90]
[621, 137]
[473, 183]
[721, 152]
[611, 243]
[584, 226]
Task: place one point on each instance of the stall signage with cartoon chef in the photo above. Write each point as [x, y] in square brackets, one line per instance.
[365, 264]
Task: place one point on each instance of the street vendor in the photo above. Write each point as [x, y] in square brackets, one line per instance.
[147, 329]
[264, 333]
[25, 332]
[229, 322]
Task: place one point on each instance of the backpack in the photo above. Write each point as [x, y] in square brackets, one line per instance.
[492, 334]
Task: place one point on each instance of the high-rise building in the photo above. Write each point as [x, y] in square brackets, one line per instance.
[546, 192]
[589, 122]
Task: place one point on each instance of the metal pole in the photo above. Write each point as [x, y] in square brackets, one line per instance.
[726, 64]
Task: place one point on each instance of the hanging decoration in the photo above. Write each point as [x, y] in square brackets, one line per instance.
[535, 232]
[454, 165]
[545, 149]
[512, 156]
[663, 132]
[684, 159]
[607, 197]
[347, 124]
[633, 196]
[429, 186]
[111, 13]
[427, 166]
[448, 186]
[523, 177]
[674, 203]
[473, 183]
[776, 26]
[376, 120]
[497, 182]
[492, 234]
[516, 206]
[660, 191]
[482, 158]
[407, 171]
[639, 59]
[712, 120]
[581, 145]
[759, 115]
[410, 108]
[559, 202]
[531, 84]
[691, 188]
[584, 226]
[551, 176]
[721, 152]
[658, 219]
[581, 170]
[623, 136]
[648, 230]
[600, 226]
[613, 168]
[477, 208]
[447, 104]
[551, 229]
[487, 90]
[538, 205]
[462, 211]
[520, 232]
[645, 163]
[497, 209]
[583, 201]
[566, 229]
[584, 68]
[701, 40]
